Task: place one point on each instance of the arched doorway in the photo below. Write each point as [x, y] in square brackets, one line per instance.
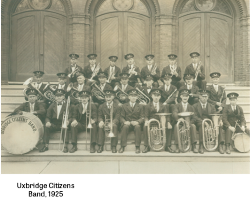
[206, 26]
[38, 39]
[122, 27]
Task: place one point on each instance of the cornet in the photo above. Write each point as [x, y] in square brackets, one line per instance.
[198, 69]
[77, 70]
[95, 72]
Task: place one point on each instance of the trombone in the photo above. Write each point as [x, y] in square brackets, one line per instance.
[109, 129]
[89, 126]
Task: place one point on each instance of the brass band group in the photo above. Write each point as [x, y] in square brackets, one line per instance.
[160, 105]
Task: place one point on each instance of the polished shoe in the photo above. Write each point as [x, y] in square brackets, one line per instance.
[121, 150]
[228, 151]
[137, 150]
[45, 148]
[201, 149]
[177, 150]
[170, 149]
[221, 149]
[92, 148]
[73, 149]
[195, 150]
[113, 149]
[100, 149]
[146, 149]
[65, 149]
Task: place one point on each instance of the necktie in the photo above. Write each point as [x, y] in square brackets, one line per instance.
[203, 106]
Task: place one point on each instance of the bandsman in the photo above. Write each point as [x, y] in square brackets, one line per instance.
[217, 95]
[113, 71]
[148, 86]
[132, 70]
[62, 81]
[184, 106]
[173, 69]
[233, 122]
[92, 69]
[73, 69]
[80, 119]
[131, 119]
[104, 119]
[150, 113]
[150, 69]
[198, 70]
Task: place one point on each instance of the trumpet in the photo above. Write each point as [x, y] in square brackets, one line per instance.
[198, 69]
[110, 76]
[153, 70]
[96, 70]
[222, 94]
[173, 71]
[73, 73]
[142, 97]
[97, 92]
[130, 71]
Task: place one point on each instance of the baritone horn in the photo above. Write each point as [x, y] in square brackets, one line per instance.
[183, 132]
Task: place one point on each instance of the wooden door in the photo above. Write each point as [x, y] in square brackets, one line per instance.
[120, 33]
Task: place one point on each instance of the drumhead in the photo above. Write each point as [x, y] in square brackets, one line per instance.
[242, 142]
[21, 133]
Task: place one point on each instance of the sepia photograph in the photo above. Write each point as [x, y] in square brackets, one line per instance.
[124, 87]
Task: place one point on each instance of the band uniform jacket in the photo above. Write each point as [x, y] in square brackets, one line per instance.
[190, 70]
[126, 91]
[178, 108]
[145, 72]
[166, 94]
[133, 78]
[42, 90]
[150, 111]
[88, 72]
[38, 107]
[106, 87]
[215, 97]
[194, 90]
[103, 111]
[87, 86]
[116, 75]
[229, 117]
[132, 114]
[167, 70]
[79, 117]
[197, 117]
[68, 71]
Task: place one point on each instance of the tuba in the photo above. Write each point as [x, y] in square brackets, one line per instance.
[211, 133]
[157, 132]
[183, 132]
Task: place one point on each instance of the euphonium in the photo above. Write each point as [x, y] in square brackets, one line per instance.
[49, 89]
[30, 85]
[142, 97]
[121, 95]
[73, 91]
[97, 92]
[183, 132]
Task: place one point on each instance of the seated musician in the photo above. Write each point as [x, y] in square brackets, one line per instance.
[113, 71]
[132, 118]
[124, 87]
[73, 69]
[104, 112]
[80, 120]
[217, 95]
[32, 106]
[92, 69]
[193, 89]
[150, 69]
[168, 91]
[54, 118]
[198, 70]
[102, 85]
[132, 70]
[202, 110]
[183, 106]
[150, 110]
[173, 69]
[233, 122]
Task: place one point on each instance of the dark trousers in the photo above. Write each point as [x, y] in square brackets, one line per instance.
[199, 128]
[225, 136]
[192, 133]
[202, 84]
[101, 136]
[125, 131]
[53, 128]
[82, 127]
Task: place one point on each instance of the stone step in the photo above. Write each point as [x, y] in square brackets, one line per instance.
[12, 98]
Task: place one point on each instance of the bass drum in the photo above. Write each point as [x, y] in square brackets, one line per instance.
[21, 133]
[242, 142]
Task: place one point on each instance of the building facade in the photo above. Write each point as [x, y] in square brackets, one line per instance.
[40, 34]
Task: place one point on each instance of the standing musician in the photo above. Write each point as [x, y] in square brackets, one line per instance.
[54, 118]
[202, 110]
[198, 70]
[183, 106]
[81, 118]
[150, 110]
[73, 69]
[113, 71]
[232, 113]
[132, 70]
[32, 106]
[104, 112]
[217, 95]
[102, 85]
[193, 89]
[92, 69]
[168, 91]
[173, 69]
[132, 117]
[150, 69]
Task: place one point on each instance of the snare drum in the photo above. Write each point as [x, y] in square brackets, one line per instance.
[21, 133]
